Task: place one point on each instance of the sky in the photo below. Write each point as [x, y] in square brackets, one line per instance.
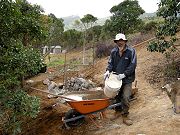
[97, 8]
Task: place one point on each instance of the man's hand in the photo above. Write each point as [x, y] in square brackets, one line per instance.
[106, 75]
[121, 76]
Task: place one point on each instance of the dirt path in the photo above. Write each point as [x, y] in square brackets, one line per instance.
[151, 113]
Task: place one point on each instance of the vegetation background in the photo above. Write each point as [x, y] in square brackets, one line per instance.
[24, 29]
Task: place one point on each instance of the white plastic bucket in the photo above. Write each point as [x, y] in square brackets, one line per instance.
[112, 86]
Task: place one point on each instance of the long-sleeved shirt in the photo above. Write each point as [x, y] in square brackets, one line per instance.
[125, 64]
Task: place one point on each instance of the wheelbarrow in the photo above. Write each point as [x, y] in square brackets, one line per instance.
[88, 103]
[91, 103]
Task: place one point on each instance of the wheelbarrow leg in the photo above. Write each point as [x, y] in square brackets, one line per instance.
[102, 115]
[95, 123]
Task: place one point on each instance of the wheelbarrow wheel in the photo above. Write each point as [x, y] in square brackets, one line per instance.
[72, 114]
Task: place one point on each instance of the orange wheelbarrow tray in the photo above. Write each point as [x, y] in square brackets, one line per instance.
[86, 106]
[89, 106]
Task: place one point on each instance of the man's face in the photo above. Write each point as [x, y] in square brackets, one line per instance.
[121, 43]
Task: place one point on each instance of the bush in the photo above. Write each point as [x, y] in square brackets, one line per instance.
[150, 26]
[21, 25]
[103, 50]
[172, 70]
[18, 105]
[43, 68]
[17, 62]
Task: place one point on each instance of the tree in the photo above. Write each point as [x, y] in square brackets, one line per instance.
[72, 38]
[168, 9]
[108, 30]
[150, 26]
[30, 26]
[78, 25]
[166, 37]
[125, 16]
[94, 33]
[18, 59]
[56, 30]
[88, 21]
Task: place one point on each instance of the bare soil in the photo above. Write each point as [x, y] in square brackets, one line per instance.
[152, 112]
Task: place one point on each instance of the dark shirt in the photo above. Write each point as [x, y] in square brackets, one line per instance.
[123, 64]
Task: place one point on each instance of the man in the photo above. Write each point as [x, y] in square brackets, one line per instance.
[122, 61]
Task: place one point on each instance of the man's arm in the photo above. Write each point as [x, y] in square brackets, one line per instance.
[132, 66]
[110, 63]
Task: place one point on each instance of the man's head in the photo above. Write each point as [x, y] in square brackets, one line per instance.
[120, 39]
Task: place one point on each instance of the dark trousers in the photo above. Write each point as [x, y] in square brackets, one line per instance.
[124, 97]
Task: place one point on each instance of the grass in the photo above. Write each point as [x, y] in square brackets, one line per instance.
[55, 63]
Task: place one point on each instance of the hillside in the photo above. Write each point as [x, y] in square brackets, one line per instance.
[151, 113]
[69, 20]
[148, 15]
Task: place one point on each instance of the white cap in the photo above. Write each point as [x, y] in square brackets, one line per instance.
[120, 36]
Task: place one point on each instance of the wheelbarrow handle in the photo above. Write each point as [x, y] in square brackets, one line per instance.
[52, 94]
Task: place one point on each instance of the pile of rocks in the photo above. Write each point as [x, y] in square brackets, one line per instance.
[76, 84]
[54, 88]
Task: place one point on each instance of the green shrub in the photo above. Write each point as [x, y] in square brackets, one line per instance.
[21, 24]
[103, 50]
[18, 105]
[16, 62]
[150, 26]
